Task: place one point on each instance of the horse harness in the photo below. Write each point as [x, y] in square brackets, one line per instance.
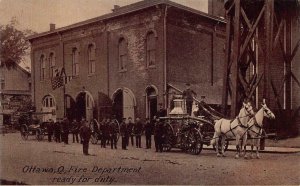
[231, 129]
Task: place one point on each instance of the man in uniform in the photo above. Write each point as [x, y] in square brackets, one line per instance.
[131, 131]
[66, 130]
[75, 130]
[188, 94]
[102, 131]
[148, 133]
[113, 130]
[138, 131]
[50, 129]
[57, 131]
[158, 135]
[161, 112]
[124, 133]
[85, 134]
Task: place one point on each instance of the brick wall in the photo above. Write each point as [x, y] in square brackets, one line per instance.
[195, 54]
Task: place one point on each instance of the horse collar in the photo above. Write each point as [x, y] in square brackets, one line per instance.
[240, 123]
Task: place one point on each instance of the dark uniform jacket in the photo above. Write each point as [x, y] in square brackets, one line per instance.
[85, 133]
[159, 129]
[113, 128]
[130, 128]
[188, 94]
[138, 128]
[148, 128]
[124, 129]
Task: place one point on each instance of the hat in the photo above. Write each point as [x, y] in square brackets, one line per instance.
[188, 84]
[128, 118]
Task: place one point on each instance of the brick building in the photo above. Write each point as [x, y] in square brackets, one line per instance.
[132, 58]
[14, 91]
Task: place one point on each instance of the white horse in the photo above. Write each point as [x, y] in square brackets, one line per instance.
[255, 129]
[235, 129]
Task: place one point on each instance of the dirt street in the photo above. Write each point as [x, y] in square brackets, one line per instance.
[34, 162]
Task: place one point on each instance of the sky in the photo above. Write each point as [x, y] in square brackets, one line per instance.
[38, 14]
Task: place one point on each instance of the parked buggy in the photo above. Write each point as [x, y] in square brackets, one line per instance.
[31, 126]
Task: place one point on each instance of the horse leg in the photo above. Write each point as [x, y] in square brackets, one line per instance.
[257, 148]
[222, 147]
[244, 144]
[252, 147]
[217, 145]
[237, 142]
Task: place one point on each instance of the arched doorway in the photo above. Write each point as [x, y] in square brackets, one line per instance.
[49, 105]
[124, 104]
[151, 102]
[84, 106]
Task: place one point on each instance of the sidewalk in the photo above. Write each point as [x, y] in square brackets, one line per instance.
[270, 149]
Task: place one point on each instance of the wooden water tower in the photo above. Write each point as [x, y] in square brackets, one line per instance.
[262, 56]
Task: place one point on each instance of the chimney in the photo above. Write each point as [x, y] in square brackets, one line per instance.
[116, 7]
[52, 26]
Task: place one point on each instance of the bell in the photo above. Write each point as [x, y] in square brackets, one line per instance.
[178, 108]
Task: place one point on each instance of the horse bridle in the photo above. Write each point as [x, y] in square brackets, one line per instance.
[268, 112]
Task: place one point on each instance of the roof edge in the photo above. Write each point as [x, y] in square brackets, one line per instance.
[125, 10]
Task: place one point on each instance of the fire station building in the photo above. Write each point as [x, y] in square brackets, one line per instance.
[129, 61]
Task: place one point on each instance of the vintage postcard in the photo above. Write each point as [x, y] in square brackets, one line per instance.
[150, 92]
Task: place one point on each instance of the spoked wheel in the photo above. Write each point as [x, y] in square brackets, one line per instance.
[39, 134]
[167, 140]
[24, 132]
[94, 138]
[195, 142]
[225, 146]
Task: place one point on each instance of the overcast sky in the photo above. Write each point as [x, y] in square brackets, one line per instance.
[37, 14]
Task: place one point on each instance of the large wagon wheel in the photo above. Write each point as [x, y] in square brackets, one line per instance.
[24, 132]
[39, 134]
[94, 138]
[195, 142]
[168, 136]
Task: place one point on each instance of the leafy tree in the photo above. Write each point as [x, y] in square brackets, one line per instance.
[14, 45]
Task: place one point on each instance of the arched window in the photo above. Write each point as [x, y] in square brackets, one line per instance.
[150, 49]
[122, 54]
[91, 58]
[75, 62]
[52, 64]
[48, 102]
[42, 67]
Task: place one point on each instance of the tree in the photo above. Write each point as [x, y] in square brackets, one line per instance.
[14, 45]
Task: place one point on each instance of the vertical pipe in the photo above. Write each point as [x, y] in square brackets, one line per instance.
[165, 56]
[235, 64]
[226, 63]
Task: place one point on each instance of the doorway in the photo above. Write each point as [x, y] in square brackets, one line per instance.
[151, 102]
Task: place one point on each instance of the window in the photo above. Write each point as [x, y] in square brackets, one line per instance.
[122, 54]
[91, 58]
[42, 68]
[150, 49]
[75, 62]
[52, 65]
[2, 84]
[48, 101]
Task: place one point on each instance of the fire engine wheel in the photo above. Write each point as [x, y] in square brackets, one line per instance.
[167, 140]
[24, 132]
[195, 142]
